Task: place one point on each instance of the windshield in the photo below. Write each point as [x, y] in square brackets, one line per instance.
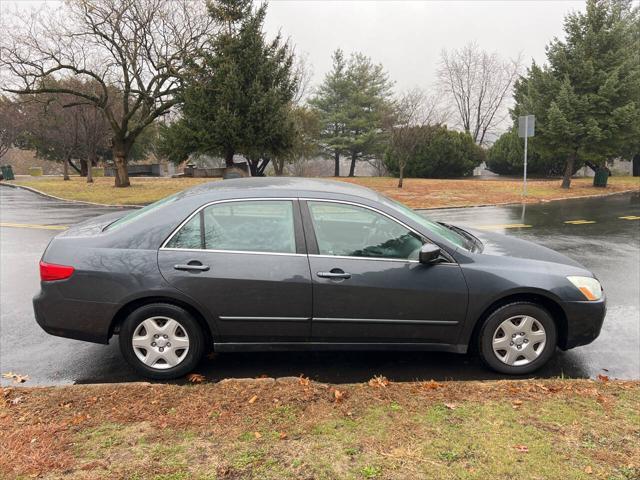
[458, 239]
[135, 214]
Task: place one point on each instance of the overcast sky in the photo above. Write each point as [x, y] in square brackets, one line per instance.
[408, 36]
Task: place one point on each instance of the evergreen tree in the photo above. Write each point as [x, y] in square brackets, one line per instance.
[352, 103]
[587, 99]
[330, 103]
[237, 99]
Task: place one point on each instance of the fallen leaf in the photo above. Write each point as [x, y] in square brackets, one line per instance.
[196, 378]
[603, 378]
[282, 435]
[450, 406]
[588, 469]
[431, 385]
[516, 403]
[304, 381]
[257, 434]
[253, 399]
[378, 382]
[521, 448]
[338, 395]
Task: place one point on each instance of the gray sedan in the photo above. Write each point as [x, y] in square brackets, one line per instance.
[298, 264]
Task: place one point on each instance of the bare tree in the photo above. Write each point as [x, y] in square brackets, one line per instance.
[479, 86]
[135, 51]
[10, 123]
[413, 110]
[52, 130]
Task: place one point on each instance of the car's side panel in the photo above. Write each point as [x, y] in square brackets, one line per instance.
[253, 297]
[383, 300]
[104, 280]
[387, 301]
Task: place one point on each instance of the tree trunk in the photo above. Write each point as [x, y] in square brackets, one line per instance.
[65, 169]
[352, 168]
[401, 176]
[278, 166]
[91, 162]
[336, 159]
[228, 158]
[84, 170]
[568, 170]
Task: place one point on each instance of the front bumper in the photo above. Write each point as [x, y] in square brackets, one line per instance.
[584, 322]
[77, 319]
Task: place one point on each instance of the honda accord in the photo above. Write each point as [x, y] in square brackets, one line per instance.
[266, 264]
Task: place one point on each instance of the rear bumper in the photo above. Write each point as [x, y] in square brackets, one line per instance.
[584, 322]
[80, 320]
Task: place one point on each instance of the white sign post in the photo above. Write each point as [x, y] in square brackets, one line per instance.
[526, 129]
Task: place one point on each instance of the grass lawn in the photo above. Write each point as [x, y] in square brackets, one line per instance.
[417, 193]
[297, 429]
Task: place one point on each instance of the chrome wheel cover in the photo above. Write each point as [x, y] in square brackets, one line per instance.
[160, 342]
[519, 340]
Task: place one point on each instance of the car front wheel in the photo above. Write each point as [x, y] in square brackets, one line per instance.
[161, 341]
[517, 338]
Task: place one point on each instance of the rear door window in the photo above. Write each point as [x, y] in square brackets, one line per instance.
[251, 226]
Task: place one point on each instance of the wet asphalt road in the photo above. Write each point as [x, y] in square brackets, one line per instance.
[610, 247]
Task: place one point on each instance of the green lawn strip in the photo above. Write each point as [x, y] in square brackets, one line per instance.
[571, 438]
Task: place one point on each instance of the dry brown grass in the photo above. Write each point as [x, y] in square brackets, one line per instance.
[294, 428]
[433, 193]
[417, 193]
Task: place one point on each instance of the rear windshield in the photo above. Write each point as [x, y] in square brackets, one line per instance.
[136, 214]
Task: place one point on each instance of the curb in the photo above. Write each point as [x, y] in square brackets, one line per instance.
[60, 199]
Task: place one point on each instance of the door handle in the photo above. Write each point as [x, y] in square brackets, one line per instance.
[192, 266]
[334, 275]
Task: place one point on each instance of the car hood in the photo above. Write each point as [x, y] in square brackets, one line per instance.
[497, 244]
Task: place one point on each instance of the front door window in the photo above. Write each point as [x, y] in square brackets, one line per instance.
[353, 231]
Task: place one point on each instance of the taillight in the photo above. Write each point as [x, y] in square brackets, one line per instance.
[51, 271]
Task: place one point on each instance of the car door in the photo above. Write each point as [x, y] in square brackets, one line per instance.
[368, 285]
[245, 261]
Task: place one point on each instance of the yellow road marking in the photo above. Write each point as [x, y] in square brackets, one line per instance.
[505, 225]
[29, 225]
[579, 222]
[630, 217]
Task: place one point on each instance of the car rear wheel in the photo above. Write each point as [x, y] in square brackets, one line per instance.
[517, 338]
[161, 341]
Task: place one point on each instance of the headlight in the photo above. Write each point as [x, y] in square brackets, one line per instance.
[590, 287]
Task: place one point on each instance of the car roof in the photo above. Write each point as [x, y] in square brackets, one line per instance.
[285, 186]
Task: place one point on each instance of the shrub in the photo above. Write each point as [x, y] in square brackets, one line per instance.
[506, 157]
[440, 153]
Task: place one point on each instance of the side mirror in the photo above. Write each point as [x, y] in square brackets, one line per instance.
[429, 253]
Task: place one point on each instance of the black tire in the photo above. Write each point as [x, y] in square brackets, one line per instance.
[197, 343]
[485, 337]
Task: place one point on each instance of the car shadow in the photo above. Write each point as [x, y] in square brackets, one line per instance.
[337, 367]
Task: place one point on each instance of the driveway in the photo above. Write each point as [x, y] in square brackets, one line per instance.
[601, 233]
